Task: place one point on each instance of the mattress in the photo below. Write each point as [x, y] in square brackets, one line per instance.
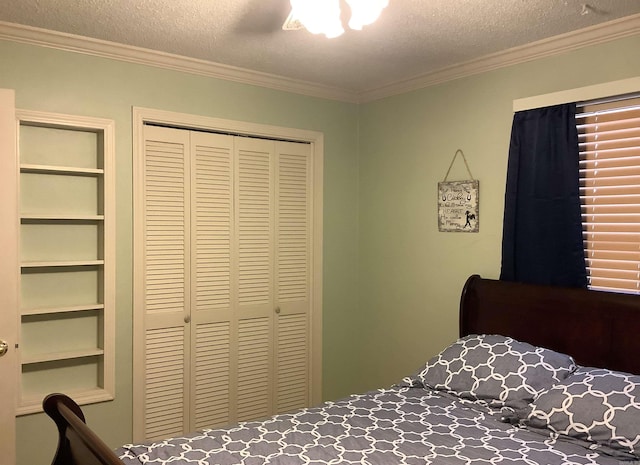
[404, 424]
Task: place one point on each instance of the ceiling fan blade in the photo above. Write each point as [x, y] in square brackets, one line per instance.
[291, 23]
[264, 16]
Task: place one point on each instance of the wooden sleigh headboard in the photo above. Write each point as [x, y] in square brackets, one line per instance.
[597, 328]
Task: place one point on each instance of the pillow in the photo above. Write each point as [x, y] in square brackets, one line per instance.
[593, 404]
[496, 369]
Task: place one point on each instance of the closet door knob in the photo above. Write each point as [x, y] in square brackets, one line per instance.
[277, 309]
[187, 318]
[4, 348]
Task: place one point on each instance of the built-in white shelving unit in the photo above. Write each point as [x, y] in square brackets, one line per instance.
[67, 268]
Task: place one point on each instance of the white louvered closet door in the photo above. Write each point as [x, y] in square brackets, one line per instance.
[166, 262]
[211, 279]
[227, 265]
[293, 275]
[254, 233]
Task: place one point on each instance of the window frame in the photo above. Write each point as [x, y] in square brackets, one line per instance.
[608, 91]
[609, 144]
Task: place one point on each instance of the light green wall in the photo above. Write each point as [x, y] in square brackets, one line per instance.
[411, 275]
[391, 280]
[51, 80]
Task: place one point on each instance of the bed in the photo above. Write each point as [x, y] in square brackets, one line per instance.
[539, 375]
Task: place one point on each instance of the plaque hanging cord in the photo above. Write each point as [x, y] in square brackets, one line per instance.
[459, 151]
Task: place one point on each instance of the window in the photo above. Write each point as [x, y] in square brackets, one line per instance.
[609, 140]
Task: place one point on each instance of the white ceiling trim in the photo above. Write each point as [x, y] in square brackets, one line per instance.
[600, 33]
[604, 32]
[105, 49]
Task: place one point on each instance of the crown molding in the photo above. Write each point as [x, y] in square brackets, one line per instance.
[105, 49]
[600, 33]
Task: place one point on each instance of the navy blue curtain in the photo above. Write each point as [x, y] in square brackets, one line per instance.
[542, 231]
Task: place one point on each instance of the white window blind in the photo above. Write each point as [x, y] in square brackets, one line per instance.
[609, 141]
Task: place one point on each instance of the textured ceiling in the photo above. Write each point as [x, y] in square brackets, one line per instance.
[411, 38]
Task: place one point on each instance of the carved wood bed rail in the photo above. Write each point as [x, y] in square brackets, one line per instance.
[77, 443]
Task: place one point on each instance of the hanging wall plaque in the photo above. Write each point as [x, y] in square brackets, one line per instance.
[458, 203]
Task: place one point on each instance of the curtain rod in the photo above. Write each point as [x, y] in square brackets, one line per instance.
[616, 98]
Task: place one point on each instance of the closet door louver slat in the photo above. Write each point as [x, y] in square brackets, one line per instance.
[164, 371]
[293, 363]
[211, 386]
[254, 356]
[254, 223]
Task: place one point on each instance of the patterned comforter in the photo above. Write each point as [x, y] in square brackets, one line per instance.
[401, 425]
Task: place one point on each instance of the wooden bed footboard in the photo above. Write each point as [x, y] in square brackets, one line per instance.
[77, 443]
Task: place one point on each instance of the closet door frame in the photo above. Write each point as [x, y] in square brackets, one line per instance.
[142, 116]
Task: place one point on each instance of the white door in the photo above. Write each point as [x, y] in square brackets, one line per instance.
[161, 385]
[8, 276]
[293, 276]
[253, 264]
[212, 325]
[223, 321]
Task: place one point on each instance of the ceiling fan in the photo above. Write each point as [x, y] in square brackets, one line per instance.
[292, 23]
[328, 16]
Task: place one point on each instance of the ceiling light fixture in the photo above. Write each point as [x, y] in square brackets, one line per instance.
[324, 16]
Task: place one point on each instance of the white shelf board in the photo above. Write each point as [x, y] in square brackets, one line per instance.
[61, 170]
[55, 356]
[33, 404]
[53, 217]
[68, 309]
[69, 263]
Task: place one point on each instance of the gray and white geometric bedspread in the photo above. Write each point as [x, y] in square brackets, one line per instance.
[401, 425]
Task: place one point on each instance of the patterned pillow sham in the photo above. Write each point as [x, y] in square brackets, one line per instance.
[593, 404]
[496, 369]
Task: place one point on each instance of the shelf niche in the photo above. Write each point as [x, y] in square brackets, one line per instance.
[66, 216]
